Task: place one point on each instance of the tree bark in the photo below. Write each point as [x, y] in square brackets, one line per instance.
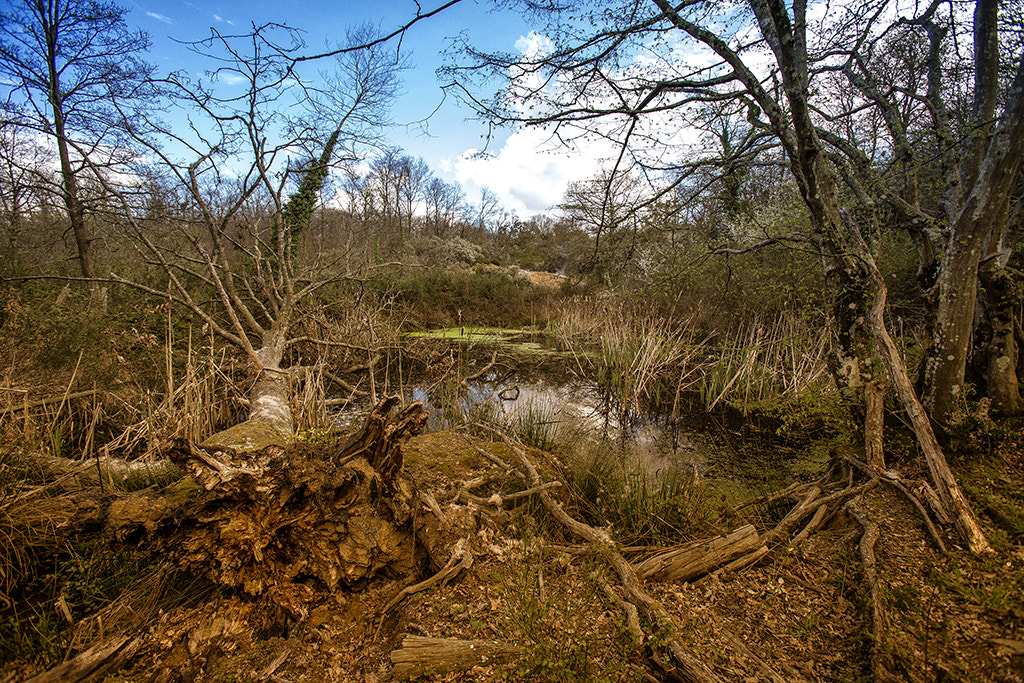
[418, 655]
[72, 200]
[1001, 352]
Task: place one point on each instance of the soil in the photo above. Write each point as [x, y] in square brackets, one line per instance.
[800, 612]
[546, 279]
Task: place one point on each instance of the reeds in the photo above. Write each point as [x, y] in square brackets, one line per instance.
[647, 362]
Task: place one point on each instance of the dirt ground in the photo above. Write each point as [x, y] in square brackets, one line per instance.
[546, 279]
[800, 615]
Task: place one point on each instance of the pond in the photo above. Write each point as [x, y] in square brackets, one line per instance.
[522, 381]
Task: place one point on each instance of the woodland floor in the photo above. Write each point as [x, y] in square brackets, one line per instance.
[801, 612]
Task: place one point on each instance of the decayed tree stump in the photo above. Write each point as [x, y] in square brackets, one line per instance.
[340, 515]
[259, 520]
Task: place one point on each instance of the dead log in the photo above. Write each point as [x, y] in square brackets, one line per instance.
[419, 655]
[696, 559]
[104, 470]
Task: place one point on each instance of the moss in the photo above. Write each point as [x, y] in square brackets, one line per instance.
[248, 436]
[182, 490]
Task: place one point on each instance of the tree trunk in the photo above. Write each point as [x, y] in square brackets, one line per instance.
[946, 362]
[1002, 385]
[949, 491]
[72, 200]
[982, 217]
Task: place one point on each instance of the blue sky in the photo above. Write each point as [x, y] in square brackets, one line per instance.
[528, 180]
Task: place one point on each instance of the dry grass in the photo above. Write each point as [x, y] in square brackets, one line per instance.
[646, 360]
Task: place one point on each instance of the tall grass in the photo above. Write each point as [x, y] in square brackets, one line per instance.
[616, 487]
[650, 362]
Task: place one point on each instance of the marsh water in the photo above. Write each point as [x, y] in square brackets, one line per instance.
[521, 380]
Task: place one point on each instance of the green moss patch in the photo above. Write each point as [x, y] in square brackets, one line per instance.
[248, 436]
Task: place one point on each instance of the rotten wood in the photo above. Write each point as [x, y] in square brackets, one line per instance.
[420, 655]
[701, 557]
[381, 438]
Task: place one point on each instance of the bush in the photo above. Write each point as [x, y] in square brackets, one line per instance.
[485, 296]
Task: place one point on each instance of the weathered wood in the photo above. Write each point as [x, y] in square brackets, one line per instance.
[380, 438]
[696, 559]
[420, 655]
[99, 660]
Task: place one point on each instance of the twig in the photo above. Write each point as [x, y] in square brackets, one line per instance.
[462, 558]
[495, 459]
[741, 649]
[268, 673]
[51, 399]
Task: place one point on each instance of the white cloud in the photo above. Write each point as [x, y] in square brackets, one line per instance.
[531, 172]
[229, 78]
[222, 20]
[159, 17]
[534, 45]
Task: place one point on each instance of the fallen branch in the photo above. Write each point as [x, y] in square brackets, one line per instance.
[683, 663]
[744, 653]
[96, 662]
[483, 371]
[699, 558]
[948, 489]
[419, 655]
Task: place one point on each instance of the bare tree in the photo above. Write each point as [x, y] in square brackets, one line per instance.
[240, 204]
[445, 204]
[64, 64]
[586, 82]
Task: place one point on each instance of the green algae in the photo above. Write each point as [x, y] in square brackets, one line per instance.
[525, 342]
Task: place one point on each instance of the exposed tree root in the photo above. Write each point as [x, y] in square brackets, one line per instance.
[462, 558]
[894, 480]
[681, 663]
[868, 539]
